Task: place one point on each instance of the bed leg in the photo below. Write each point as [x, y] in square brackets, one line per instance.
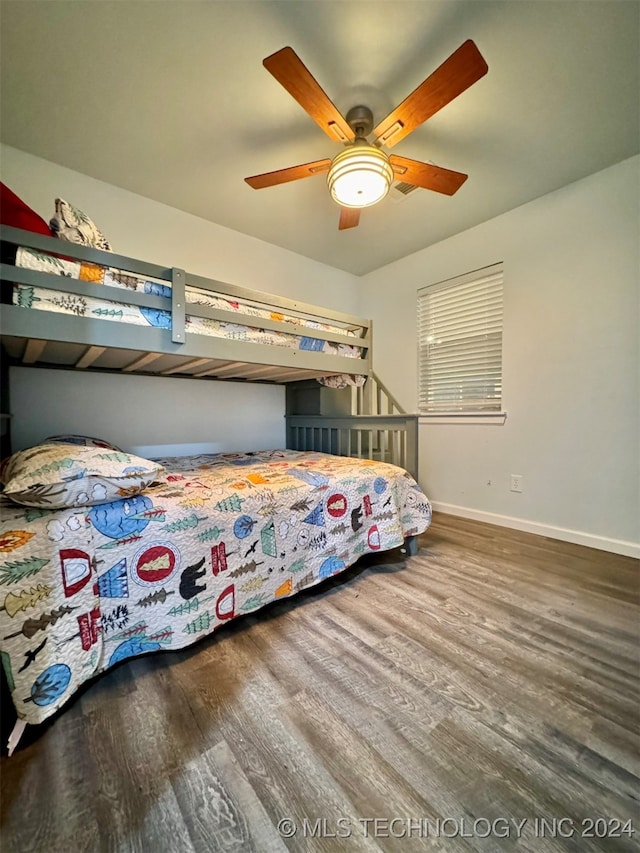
[16, 734]
[410, 547]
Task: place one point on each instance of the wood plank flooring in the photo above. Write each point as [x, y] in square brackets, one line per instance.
[484, 694]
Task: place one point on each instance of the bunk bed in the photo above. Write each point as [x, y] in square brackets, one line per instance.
[108, 556]
[91, 308]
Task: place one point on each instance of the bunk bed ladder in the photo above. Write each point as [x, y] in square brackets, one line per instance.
[374, 398]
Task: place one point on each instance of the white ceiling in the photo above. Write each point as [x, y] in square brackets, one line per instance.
[170, 100]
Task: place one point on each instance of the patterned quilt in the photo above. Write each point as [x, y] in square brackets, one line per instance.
[217, 537]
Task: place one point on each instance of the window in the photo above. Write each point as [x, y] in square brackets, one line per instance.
[460, 344]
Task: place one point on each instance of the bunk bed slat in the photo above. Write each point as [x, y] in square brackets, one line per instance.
[91, 355]
[33, 351]
[232, 369]
[186, 366]
[141, 362]
[211, 371]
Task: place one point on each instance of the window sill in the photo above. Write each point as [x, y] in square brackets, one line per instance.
[490, 418]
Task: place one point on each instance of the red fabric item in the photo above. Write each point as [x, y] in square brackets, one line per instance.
[17, 214]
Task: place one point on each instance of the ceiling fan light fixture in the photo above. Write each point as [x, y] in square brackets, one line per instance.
[360, 176]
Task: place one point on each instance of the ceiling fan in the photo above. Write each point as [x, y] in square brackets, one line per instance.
[361, 174]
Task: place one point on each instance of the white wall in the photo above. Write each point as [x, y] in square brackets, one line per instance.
[570, 362]
[152, 417]
[220, 412]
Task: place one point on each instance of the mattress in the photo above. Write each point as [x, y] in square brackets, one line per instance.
[246, 329]
[216, 537]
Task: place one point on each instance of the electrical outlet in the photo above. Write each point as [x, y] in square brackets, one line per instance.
[517, 482]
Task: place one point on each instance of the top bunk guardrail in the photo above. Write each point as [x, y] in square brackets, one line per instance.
[167, 321]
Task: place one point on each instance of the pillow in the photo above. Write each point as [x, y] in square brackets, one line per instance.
[83, 440]
[73, 225]
[59, 475]
[17, 214]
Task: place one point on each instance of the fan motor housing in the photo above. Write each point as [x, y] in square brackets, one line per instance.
[360, 119]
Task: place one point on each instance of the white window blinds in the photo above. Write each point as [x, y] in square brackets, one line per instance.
[460, 343]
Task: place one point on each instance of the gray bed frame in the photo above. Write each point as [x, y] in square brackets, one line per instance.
[367, 424]
[33, 336]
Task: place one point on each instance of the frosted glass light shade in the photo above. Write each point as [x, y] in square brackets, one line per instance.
[360, 176]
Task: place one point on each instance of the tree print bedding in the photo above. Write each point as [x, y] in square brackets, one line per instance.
[40, 298]
[215, 537]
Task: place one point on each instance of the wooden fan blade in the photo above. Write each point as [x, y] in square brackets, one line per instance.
[427, 176]
[349, 217]
[463, 68]
[293, 173]
[289, 70]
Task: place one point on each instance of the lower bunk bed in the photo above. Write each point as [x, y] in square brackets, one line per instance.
[105, 556]
[104, 564]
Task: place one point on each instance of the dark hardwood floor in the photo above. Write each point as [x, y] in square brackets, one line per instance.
[484, 694]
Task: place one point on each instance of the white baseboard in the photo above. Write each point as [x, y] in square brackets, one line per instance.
[577, 537]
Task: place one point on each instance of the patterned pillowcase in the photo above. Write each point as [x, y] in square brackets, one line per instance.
[55, 476]
[82, 440]
[73, 225]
